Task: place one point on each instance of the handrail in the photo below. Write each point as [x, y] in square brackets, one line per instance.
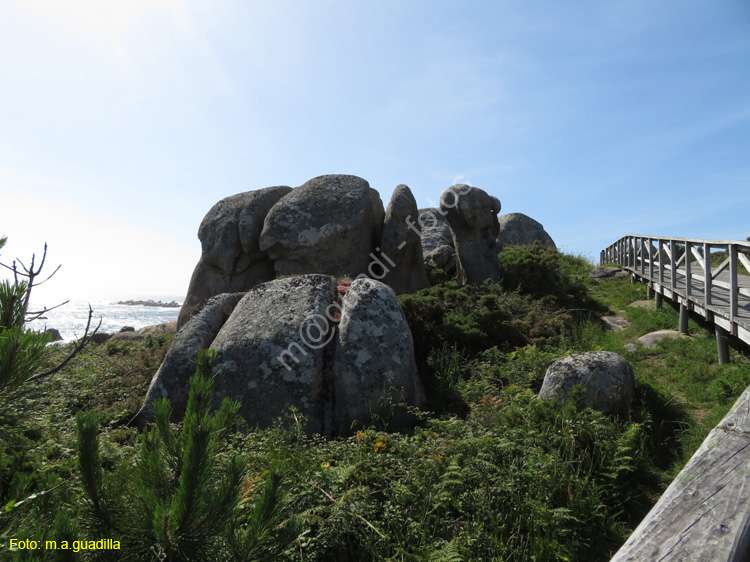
[713, 290]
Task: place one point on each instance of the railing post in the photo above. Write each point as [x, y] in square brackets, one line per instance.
[722, 345]
[708, 283]
[643, 257]
[673, 260]
[661, 263]
[688, 267]
[734, 290]
[683, 329]
[650, 260]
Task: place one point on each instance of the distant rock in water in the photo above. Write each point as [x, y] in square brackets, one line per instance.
[54, 334]
[128, 333]
[160, 304]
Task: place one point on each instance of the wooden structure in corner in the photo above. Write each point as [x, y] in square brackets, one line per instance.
[704, 515]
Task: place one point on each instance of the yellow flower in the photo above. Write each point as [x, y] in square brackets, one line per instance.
[325, 464]
[379, 447]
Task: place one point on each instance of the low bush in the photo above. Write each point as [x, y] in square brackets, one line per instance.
[546, 274]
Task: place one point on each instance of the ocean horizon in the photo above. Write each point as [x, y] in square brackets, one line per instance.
[70, 319]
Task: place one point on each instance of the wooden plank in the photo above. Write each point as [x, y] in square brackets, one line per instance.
[698, 256]
[734, 294]
[721, 267]
[688, 272]
[744, 260]
[707, 274]
[703, 516]
[660, 254]
[742, 243]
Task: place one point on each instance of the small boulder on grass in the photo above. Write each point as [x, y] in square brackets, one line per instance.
[649, 341]
[606, 376]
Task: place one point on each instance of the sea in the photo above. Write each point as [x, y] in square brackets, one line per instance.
[70, 319]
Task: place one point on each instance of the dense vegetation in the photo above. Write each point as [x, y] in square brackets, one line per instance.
[489, 473]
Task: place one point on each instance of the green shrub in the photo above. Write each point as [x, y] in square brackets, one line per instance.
[183, 503]
[545, 273]
[473, 318]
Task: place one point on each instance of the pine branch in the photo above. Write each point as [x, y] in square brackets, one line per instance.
[77, 348]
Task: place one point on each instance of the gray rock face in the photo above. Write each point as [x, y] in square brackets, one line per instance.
[173, 377]
[472, 215]
[374, 355]
[435, 230]
[401, 245]
[440, 256]
[208, 281]
[270, 353]
[290, 342]
[517, 229]
[329, 224]
[607, 377]
[230, 231]
[231, 259]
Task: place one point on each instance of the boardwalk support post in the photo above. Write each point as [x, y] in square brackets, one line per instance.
[683, 318]
[722, 345]
[657, 300]
[650, 292]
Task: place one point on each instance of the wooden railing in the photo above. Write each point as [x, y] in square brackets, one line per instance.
[709, 277]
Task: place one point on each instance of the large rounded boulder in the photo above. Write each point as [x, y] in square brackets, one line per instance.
[296, 342]
[472, 215]
[401, 245]
[231, 259]
[330, 224]
[270, 353]
[517, 229]
[374, 366]
[606, 377]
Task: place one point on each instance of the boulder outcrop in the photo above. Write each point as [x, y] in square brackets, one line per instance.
[435, 230]
[172, 380]
[606, 376]
[650, 340]
[329, 225]
[472, 215]
[517, 229]
[290, 342]
[443, 257]
[231, 259]
[401, 244]
[374, 365]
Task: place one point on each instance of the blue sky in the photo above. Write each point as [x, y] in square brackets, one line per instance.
[122, 123]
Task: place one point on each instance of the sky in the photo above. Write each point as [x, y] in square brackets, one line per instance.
[123, 122]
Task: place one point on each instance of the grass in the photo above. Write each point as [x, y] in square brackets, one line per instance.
[489, 473]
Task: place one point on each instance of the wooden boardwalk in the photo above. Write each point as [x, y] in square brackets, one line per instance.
[704, 515]
[662, 264]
